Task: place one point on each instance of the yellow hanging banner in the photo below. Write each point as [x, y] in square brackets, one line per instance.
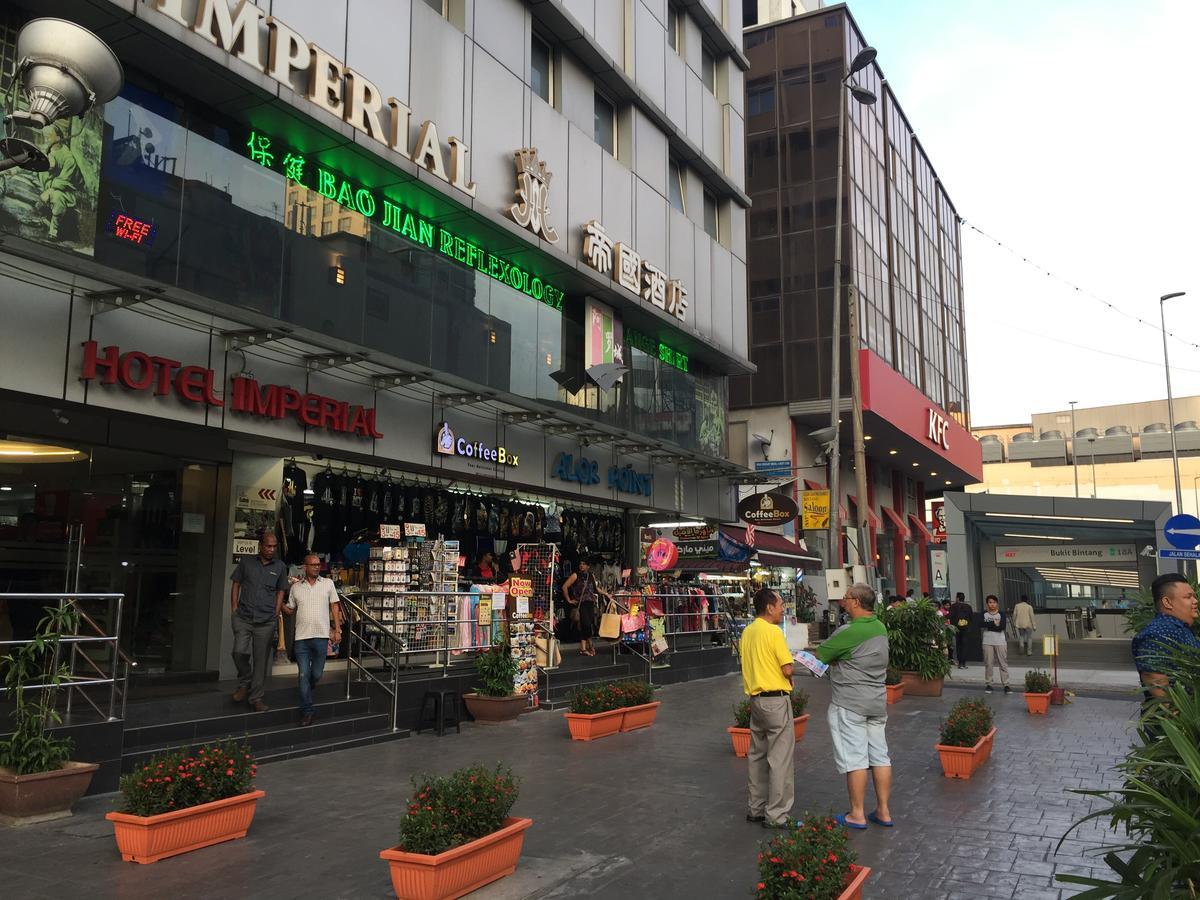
[815, 506]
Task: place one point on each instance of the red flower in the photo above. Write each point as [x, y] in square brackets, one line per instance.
[229, 771]
[833, 857]
[760, 886]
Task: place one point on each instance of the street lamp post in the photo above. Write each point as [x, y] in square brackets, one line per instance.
[863, 59]
[1170, 400]
[1092, 448]
[1074, 455]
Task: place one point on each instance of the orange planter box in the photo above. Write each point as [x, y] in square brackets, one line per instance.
[858, 876]
[1037, 704]
[635, 717]
[894, 692]
[741, 736]
[418, 876]
[961, 762]
[147, 839]
[590, 726]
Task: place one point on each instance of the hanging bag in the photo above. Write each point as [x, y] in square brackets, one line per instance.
[610, 622]
[631, 622]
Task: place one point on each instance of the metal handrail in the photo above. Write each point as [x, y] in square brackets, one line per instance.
[119, 665]
[353, 662]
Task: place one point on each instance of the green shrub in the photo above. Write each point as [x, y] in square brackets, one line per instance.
[30, 749]
[741, 714]
[969, 720]
[1157, 808]
[496, 670]
[182, 779]
[799, 703]
[1037, 682]
[917, 639]
[448, 811]
[892, 676]
[810, 860]
[610, 695]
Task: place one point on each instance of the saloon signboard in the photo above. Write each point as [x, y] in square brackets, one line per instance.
[767, 509]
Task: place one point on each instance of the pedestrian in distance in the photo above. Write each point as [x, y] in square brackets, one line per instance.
[313, 600]
[256, 598]
[960, 617]
[767, 680]
[995, 643]
[1025, 623]
[857, 655]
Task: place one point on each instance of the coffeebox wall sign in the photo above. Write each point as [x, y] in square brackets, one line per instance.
[767, 509]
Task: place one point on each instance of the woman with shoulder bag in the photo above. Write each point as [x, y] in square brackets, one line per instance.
[580, 591]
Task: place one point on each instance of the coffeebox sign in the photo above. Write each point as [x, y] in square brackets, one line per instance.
[767, 509]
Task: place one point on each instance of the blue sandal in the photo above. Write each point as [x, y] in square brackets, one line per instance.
[873, 817]
[841, 820]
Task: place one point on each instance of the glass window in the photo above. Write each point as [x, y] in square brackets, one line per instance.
[762, 163]
[675, 186]
[708, 70]
[541, 69]
[711, 224]
[605, 124]
[674, 26]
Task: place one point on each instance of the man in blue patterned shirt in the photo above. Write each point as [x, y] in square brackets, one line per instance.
[1170, 629]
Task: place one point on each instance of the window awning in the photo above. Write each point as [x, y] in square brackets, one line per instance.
[897, 520]
[810, 485]
[872, 519]
[774, 549]
[923, 534]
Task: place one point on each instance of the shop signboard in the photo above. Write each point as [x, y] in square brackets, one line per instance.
[627, 268]
[520, 587]
[253, 511]
[767, 509]
[782, 467]
[603, 339]
[692, 541]
[816, 510]
[447, 443]
[937, 510]
[581, 470]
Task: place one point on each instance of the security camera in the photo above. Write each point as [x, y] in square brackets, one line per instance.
[63, 71]
[62, 420]
[1148, 550]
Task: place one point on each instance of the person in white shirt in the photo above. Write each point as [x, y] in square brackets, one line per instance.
[1025, 624]
[313, 601]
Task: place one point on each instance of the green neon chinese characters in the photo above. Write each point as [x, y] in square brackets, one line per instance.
[402, 221]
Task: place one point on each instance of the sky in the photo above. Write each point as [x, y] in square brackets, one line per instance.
[1067, 130]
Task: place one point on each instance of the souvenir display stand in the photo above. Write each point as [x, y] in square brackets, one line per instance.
[539, 565]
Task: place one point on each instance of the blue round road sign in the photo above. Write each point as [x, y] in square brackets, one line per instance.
[1183, 532]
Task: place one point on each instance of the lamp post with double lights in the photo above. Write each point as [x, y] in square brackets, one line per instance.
[861, 95]
[1162, 315]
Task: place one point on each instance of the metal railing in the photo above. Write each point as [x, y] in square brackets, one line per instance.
[112, 668]
[696, 620]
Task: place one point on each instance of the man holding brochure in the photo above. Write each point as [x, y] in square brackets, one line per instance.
[858, 654]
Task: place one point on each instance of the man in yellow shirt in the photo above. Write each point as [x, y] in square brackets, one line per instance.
[767, 680]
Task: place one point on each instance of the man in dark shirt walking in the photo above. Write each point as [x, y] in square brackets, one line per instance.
[960, 617]
[256, 598]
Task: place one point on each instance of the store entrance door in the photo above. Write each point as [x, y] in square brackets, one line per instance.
[104, 520]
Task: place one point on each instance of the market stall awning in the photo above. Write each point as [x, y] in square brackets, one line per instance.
[716, 566]
[897, 520]
[872, 519]
[923, 533]
[774, 549]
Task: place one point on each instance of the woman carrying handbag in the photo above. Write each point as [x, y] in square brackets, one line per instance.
[580, 591]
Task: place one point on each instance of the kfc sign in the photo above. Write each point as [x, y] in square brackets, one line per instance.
[938, 430]
[139, 371]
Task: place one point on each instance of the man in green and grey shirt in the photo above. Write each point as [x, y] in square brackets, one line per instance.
[858, 657]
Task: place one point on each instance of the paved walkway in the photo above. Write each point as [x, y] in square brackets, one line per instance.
[657, 813]
[1110, 680]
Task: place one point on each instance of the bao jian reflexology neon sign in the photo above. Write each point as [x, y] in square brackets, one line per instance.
[381, 210]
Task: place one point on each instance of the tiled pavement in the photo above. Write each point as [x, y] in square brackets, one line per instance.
[657, 813]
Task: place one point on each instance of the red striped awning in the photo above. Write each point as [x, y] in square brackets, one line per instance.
[810, 485]
[872, 519]
[897, 520]
[923, 533]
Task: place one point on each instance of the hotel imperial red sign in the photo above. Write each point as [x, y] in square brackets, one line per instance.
[163, 377]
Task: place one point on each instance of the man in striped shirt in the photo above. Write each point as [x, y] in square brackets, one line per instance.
[313, 601]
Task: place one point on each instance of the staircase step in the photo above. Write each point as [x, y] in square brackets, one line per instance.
[239, 720]
[216, 702]
[313, 748]
[273, 740]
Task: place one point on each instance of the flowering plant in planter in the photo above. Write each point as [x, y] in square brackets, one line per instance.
[799, 703]
[611, 695]
[811, 859]
[450, 810]
[741, 714]
[969, 720]
[182, 779]
[1037, 682]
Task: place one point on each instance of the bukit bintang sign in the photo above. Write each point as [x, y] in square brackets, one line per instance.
[139, 371]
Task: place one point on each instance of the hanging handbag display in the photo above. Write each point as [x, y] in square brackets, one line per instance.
[610, 622]
[632, 622]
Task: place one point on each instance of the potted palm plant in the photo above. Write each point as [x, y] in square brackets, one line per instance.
[894, 683]
[38, 781]
[184, 800]
[918, 639]
[966, 739]
[1037, 692]
[456, 834]
[811, 859]
[494, 701]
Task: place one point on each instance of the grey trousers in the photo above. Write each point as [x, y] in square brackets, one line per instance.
[995, 655]
[253, 650]
[771, 765]
[1025, 636]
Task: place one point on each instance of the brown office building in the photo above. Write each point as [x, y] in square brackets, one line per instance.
[901, 258]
